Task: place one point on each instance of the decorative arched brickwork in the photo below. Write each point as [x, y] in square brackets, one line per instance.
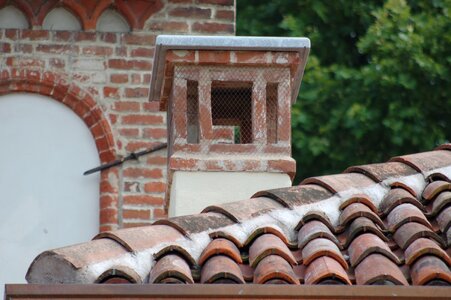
[88, 12]
[81, 102]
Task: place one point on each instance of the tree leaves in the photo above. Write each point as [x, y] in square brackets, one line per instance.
[377, 82]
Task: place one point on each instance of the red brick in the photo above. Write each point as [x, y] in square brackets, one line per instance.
[135, 224]
[143, 173]
[129, 132]
[85, 36]
[108, 215]
[225, 14]
[155, 133]
[153, 106]
[108, 37]
[111, 92]
[216, 2]
[181, 1]
[97, 50]
[136, 92]
[133, 39]
[169, 26]
[136, 214]
[5, 48]
[108, 201]
[142, 119]
[57, 63]
[214, 57]
[138, 145]
[143, 200]
[106, 187]
[142, 52]
[146, 78]
[254, 57]
[57, 49]
[129, 64]
[213, 27]
[190, 12]
[119, 78]
[155, 187]
[12, 34]
[157, 160]
[183, 164]
[35, 34]
[159, 213]
[126, 106]
[63, 36]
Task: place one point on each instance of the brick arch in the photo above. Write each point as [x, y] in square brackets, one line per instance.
[81, 102]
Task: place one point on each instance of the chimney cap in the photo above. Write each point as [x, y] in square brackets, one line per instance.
[231, 43]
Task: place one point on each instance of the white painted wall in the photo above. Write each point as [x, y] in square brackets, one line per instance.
[11, 17]
[112, 21]
[61, 19]
[191, 192]
[45, 201]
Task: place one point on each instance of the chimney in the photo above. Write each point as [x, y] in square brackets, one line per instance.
[228, 102]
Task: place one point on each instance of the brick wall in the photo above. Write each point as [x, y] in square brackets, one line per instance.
[104, 78]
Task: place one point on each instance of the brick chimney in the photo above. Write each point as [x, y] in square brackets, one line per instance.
[228, 103]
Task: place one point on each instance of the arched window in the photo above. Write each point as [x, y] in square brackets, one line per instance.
[45, 201]
[112, 21]
[11, 17]
[61, 19]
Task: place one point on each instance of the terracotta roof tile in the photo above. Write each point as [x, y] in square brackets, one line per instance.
[443, 200]
[359, 198]
[422, 247]
[171, 267]
[322, 247]
[411, 231]
[274, 267]
[426, 161]
[396, 197]
[196, 223]
[318, 216]
[221, 269]
[378, 269]
[403, 214]
[297, 195]
[340, 182]
[444, 219]
[435, 188]
[140, 238]
[324, 268]
[240, 211]
[269, 244]
[356, 210]
[367, 244]
[308, 233]
[429, 268]
[380, 172]
[360, 226]
[221, 246]
[315, 229]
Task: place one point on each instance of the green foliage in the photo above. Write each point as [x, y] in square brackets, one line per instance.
[377, 83]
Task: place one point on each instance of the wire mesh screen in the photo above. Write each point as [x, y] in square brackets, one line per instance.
[220, 110]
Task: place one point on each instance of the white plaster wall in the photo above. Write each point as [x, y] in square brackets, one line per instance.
[112, 21]
[61, 19]
[45, 201]
[191, 192]
[11, 17]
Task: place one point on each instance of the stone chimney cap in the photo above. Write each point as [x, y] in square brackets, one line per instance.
[232, 43]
